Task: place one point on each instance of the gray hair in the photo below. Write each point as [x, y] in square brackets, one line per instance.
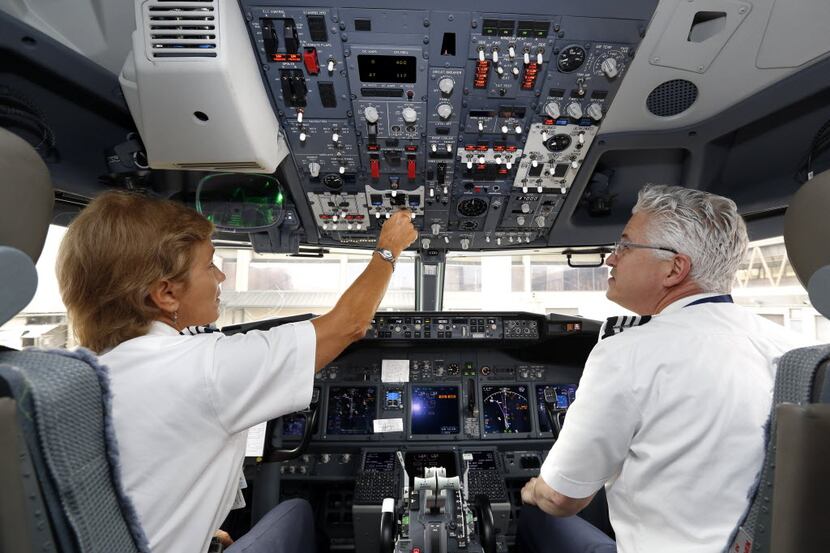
[704, 226]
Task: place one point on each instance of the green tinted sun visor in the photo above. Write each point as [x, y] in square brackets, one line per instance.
[238, 202]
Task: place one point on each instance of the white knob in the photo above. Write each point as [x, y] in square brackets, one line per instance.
[525, 208]
[444, 111]
[487, 238]
[341, 170]
[516, 71]
[435, 147]
[314, 169]
[581, 138]
[504, 129]
[511, 239]
[526, 58]
[540, 221]
[495, 56]
[447, 239]
[469, 165]
[552, 110]
[595, 111]
[518, 129]
[435, 227]
[371, 114]
[509, 165]
[511, 51]
[409, 115]
[481, 54]
[449, 148]
[480, 126]
[609, 67]
[330, 66]
[335, 137]
[544, 135]
[431, 192]
[386, 215]
[465, 243]
[498, 160]
[575, 110]
[446, 85]
[394, 193]
[299, 116]
[520, 220]
[481, 159]
[552, 170]
[349, 226]
[377, 214]
[499, 70]
[446, 191]
[425, 243]
[534, 163]
[498, 241]
[302, 137]
[539, 189]
[334, 217]
[540, 57]
[575, 164]
[524, 189]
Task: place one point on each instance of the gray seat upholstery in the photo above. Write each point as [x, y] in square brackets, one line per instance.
[59, 486]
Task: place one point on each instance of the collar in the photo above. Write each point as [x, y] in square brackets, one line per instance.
[686, 300]
[158, 328]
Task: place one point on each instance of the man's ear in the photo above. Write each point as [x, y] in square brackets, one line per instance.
[680, 268]
[165, 295]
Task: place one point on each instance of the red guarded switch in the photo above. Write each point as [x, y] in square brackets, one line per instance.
[310, 61]
[410, 167]
[374, 165]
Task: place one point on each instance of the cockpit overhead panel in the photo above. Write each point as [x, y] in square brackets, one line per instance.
[477, 121]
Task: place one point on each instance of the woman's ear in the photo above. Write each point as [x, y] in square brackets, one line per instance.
[165, 295]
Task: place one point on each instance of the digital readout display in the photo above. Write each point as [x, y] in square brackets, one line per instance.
[375, 68]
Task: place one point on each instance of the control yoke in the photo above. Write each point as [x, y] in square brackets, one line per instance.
[309, 418]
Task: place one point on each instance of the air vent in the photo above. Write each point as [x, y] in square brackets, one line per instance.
[671, 98]
[222, 166]
[177, 29]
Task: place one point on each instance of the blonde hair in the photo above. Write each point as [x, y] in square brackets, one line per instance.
[112, 253]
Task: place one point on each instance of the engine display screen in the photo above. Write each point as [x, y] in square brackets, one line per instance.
[417, 461]
[506, 409]
[376, 68]
[351, 410]
[435, 410]
[565, 395]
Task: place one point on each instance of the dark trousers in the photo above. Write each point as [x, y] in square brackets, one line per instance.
[287, 528]
[540, 532]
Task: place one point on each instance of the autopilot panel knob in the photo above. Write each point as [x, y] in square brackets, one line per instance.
[465, 243]
[525, 208]
[574, 110]
[371, 114]
[445, 85]
[314, 169]
[444, 111]
[409, 115]
[594, 111]
[435, 228]
[610, 68]
[540, 221]
[552, 110]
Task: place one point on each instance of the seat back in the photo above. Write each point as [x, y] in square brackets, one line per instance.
[62, 408]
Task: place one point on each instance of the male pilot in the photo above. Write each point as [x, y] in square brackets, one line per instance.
[669, 415]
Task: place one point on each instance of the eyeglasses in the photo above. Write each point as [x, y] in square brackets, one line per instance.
[623, 245]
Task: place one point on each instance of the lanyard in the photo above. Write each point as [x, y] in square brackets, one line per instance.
[726, 298]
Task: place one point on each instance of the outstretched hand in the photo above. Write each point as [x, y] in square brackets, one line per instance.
[398, 232]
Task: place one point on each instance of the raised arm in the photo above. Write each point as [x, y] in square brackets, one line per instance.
[351, 316]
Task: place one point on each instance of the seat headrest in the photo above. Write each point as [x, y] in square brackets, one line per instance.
[806, 234]
[26, 197]
[19, 282]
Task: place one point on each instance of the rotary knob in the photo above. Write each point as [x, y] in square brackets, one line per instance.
[575, 110]
[540, 221]
[436, 228]
[520, 220]
[525, 208]
[594, 111]
[465, 243]
[444, 111]
[371, 114]
[445, 85]
[425, 242]
[552, 110]
[409, 115]
[314, 169]
[610, 68]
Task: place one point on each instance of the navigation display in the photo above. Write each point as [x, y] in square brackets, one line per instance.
[351, 410]
[293, 425]
[565, 395]
[435, 410]
[506, 409]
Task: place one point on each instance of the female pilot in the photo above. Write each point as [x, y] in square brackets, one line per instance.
[133, 273]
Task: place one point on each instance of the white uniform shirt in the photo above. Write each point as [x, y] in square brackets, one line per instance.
[670, 417]
[181, 409]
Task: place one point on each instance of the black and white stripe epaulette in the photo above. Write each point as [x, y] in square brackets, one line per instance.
[194, 330]
[615, 325]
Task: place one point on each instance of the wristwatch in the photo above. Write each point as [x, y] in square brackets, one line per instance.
[386, 255]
